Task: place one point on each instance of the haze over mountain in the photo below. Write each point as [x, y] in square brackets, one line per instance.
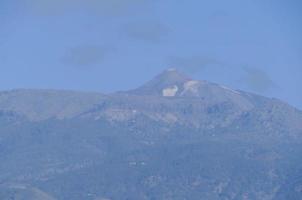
[172, 138]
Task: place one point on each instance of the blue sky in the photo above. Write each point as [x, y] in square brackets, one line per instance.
[99, 45]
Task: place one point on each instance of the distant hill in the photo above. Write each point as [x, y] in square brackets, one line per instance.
[172, 138]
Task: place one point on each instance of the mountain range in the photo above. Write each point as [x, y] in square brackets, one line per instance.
[172, 138]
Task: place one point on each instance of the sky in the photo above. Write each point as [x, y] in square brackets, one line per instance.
[113, 45]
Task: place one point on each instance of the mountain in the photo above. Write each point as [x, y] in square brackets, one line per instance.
[172, 138]
[39, 105]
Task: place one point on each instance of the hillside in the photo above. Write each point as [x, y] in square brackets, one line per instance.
[172, 138]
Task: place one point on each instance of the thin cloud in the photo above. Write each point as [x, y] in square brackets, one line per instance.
[194, 64]
[147, 31]
[221, 19]
[257, 79]
[50, 7]
[85, 55]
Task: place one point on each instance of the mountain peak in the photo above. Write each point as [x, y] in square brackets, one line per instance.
[171, 75]
[166, 83]
[173, 83]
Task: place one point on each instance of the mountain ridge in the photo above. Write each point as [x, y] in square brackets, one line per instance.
[168, 84]
[199, 104]
[199, 141]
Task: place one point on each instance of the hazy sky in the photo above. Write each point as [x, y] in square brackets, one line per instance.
[109, 45]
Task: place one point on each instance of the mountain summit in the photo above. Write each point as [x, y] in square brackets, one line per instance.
[174, 84]
[168, 83]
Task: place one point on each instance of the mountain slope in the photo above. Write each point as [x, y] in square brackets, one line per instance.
[44, 104]
[199, 141]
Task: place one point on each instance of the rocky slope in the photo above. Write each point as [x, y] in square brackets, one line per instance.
[172, 138]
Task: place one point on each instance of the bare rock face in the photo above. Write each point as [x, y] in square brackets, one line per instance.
[172, 138]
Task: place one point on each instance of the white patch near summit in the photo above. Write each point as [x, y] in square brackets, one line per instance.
[191, 86]
[170, 91]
